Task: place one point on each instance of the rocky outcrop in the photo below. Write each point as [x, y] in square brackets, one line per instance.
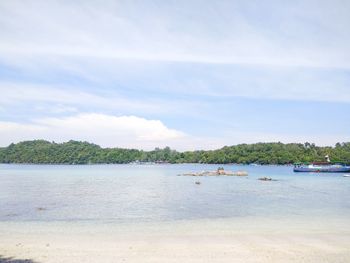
[219, 172]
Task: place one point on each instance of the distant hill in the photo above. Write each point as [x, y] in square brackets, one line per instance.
[75, 152]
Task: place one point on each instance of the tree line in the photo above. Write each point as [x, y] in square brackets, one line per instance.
[76, 152]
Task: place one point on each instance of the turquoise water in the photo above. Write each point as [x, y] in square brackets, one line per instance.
[137, 193]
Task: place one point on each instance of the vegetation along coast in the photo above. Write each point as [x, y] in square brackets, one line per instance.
[76, 152]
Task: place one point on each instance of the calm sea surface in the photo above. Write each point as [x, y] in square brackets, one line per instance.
[138, 193]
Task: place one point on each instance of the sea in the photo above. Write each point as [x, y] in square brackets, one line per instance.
[127, 193]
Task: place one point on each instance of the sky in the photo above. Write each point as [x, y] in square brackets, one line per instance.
[185, 74]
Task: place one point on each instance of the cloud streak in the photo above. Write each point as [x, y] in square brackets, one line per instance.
[60, 99]
[229, 32]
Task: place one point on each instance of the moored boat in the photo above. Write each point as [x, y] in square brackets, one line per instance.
[322, 168]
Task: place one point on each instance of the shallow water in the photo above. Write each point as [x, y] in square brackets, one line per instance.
[152, 193]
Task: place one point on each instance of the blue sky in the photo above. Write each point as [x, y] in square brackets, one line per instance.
[187, 74]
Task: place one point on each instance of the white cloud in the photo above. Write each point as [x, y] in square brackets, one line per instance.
[105, 130]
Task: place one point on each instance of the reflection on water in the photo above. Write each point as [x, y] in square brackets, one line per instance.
[128, 193]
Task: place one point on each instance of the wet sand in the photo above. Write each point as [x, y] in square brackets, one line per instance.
[220, 240]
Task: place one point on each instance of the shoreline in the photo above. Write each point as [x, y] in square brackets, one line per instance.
[220, 240]
[142, 164]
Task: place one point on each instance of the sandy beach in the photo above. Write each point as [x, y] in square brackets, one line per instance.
[226, 240]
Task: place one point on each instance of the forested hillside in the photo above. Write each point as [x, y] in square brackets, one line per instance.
[74, 152]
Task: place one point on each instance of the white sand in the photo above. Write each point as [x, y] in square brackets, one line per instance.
[229, 240]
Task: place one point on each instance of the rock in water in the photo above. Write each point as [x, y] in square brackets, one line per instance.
[266, 179]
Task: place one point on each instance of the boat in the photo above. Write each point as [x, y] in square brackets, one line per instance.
[322, 167]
